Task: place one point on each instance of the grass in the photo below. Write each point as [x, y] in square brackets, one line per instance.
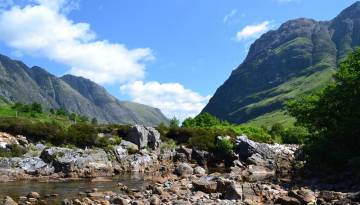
[270, 119]
[296, 86]
[6, 111]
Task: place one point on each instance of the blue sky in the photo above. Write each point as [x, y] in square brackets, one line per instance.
[170, 54]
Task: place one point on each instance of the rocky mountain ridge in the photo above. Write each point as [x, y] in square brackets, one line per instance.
[297, 58]
[19, 83]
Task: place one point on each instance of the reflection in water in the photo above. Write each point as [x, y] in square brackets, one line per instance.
[69, 189]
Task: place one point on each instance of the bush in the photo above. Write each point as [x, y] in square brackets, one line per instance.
[12, 151]
[168, 145]
[254, 133]
[225, 145]
[204, 120]
[82, 135]
[295, 135]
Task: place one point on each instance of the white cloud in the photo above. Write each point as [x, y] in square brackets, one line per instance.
[253, 31]
[172, 98]
[42, 28]
[228, 16]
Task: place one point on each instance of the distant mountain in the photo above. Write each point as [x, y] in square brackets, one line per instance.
[297, 58]
[18, 83]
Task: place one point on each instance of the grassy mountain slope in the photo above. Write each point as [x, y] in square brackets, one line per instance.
[298, 58]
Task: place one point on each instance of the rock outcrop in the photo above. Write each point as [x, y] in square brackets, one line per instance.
[144, 137]
[88, 162]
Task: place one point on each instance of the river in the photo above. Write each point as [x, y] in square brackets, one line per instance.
[67, 189]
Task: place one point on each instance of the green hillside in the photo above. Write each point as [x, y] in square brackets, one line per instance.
[298, 58]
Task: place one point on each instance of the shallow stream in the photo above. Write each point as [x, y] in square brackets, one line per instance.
[68, 189]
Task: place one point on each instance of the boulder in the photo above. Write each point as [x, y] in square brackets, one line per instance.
[246, 147]
[305, 196]
[89, 161]
[154, 200]
[199, 170]
[35, 166]
[29, 165]
[204, 185]
[180, 157]
[120, 152]
[184, 169]
[258, 173]
[7, 140]
[187, 152]
[233, 191]
[9, 201]
[138, 162]
[285, 200]
[34, 195]
[144, 136]
[201, 157]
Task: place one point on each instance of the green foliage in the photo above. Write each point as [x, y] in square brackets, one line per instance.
[36, 108]
[225, 145]
[168, 145]
[204, 120]
[12, 151]
[254, 133]
[333, 116]
[82, 135]
[174, 123]
[94, 121]
[295, 135]
[61, 112]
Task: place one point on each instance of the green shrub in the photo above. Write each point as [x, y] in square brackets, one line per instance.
[225, 145]
[168, 145]
[82, 135]
[12, 151]
[295, 135]
[204, 120]
[254, 133]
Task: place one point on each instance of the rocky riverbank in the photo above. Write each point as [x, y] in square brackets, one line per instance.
[259, 173]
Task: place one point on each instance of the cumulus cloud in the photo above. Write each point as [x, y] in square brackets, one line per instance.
[253, 31]
[172, 98]
[42, 28]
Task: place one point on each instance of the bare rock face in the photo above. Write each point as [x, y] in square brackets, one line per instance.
[29, 165]
[83, 162]
[144, 136]
[8, 140]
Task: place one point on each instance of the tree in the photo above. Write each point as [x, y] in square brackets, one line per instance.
[203, 120]
[84, 119]
[52, 111]
[73, 117]
[36, 107]
[174, 122]
[61, 112]
[332, 116]
[94, 121]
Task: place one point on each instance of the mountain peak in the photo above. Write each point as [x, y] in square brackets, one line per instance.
[352, 12]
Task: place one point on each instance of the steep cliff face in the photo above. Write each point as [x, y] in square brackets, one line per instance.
[297, 58]
[18, 83]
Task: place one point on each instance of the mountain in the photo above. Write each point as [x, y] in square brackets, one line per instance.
[19, 83]
[297, 58]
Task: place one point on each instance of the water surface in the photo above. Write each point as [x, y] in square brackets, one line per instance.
[68, 189]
